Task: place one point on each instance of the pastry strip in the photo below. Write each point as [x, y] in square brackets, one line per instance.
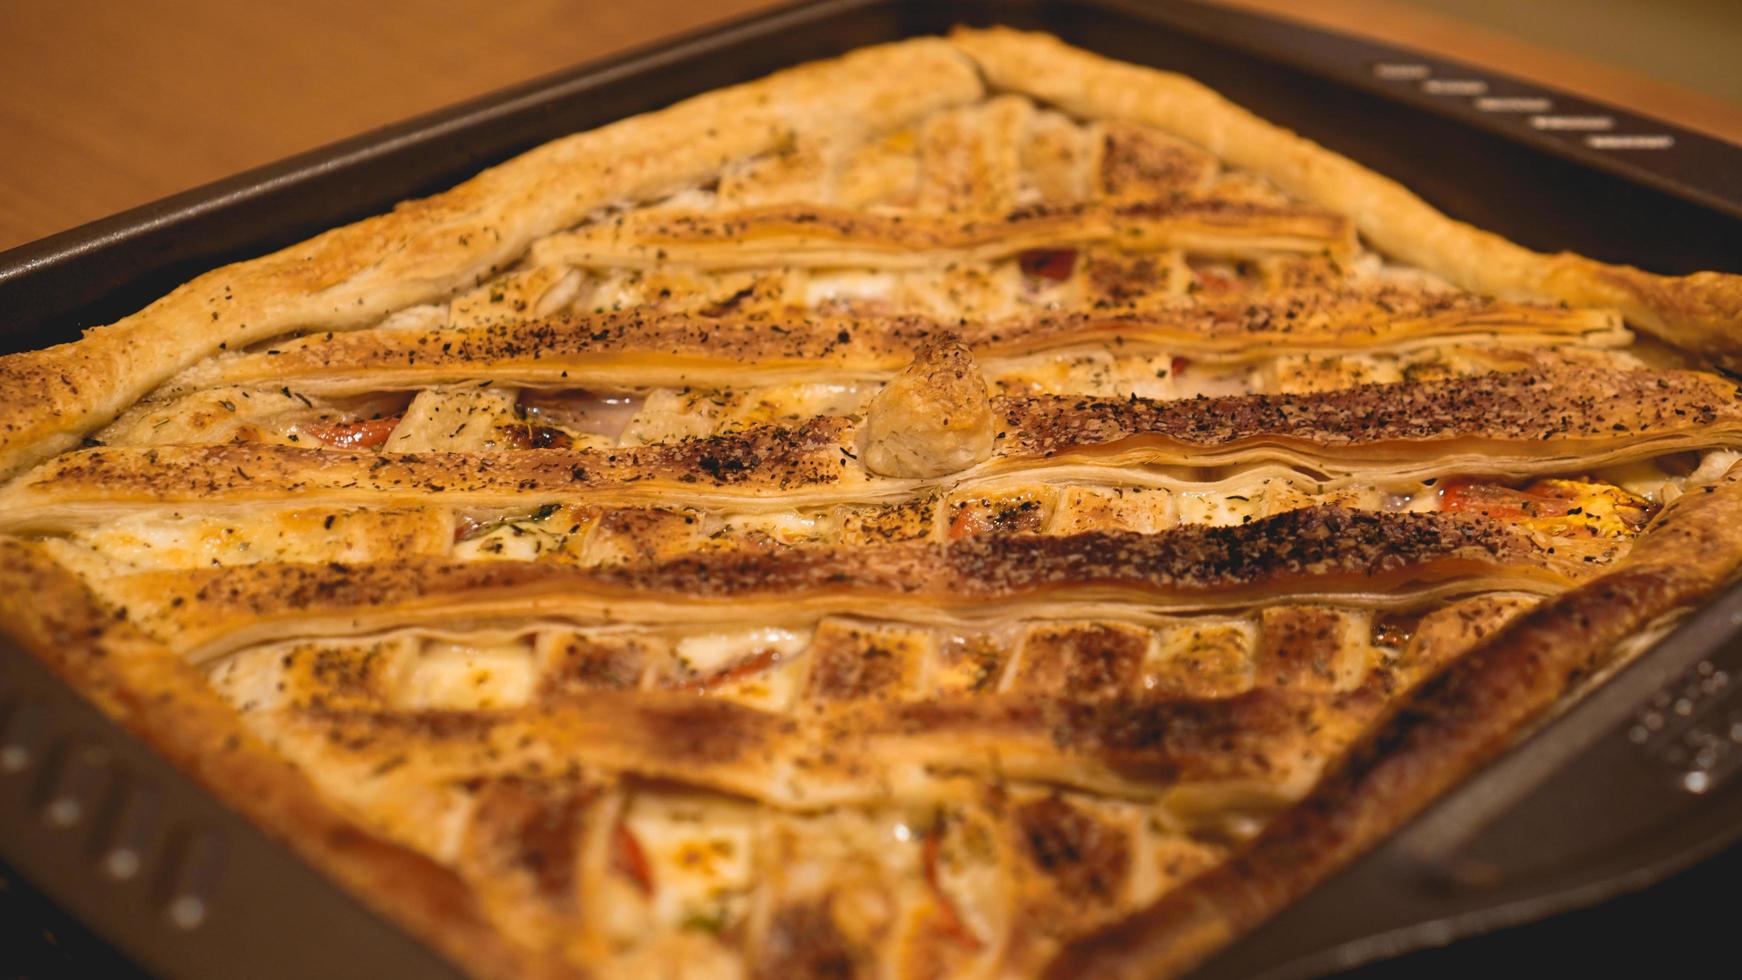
[1697, 312]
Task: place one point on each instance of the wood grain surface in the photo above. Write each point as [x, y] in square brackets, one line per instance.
[105, 105]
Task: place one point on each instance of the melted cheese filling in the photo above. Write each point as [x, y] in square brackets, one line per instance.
[468, 677]
[701, 862]
[829, 287]
[707, 654]
[948, 886]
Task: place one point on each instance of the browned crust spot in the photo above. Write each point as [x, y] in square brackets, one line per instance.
[771, 458]
[1557, 403]
[1072, 222]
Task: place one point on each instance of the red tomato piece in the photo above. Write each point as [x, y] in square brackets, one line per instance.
[950, 919]
[1055, 264]
[630, 860]
[756, 663]
[1214, 282]
[361, 434]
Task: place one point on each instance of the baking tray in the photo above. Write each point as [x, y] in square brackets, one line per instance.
[130, 867]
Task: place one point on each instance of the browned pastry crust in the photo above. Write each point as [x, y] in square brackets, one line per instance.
[681, 348]
[1321, 550]
[1568, 406]
[1429, 740]
[767, 459]
[850, 754]
[850, 525]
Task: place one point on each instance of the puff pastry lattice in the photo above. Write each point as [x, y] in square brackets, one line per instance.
[962, 508]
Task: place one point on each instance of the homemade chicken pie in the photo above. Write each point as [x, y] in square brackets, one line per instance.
[962, 509]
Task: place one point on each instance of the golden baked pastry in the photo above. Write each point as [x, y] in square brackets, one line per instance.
[965, 508]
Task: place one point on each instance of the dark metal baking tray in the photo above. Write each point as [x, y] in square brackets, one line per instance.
[104, 843]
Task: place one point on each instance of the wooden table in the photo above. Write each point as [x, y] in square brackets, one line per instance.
[108, 105]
